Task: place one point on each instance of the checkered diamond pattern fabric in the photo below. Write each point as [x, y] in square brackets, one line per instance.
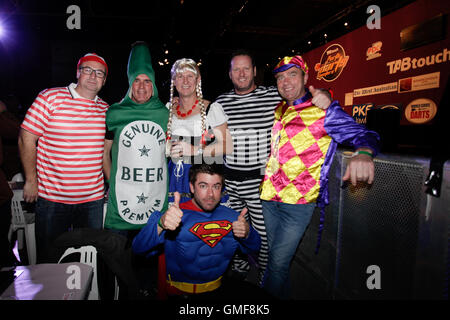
[298, 148]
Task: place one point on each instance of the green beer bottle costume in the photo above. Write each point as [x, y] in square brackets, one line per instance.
[138, 182]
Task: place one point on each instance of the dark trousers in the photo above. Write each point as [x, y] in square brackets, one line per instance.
[53, 219]
[145, 271]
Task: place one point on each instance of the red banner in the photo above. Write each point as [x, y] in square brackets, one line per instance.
[367, 68]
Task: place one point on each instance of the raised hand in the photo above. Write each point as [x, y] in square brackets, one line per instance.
[240, 226]
[172, 218]
[321, 98]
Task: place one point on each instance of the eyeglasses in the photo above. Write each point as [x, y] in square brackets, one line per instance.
[89, 70]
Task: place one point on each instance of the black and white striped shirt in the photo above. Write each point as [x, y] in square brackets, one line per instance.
[250, 120]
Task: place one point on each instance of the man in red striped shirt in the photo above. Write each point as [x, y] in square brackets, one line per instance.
[61, 148]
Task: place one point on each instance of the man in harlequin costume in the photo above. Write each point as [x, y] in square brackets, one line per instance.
[303, 143]
[134, 158]
[198, 237]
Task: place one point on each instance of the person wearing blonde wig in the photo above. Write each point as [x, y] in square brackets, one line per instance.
[197, 130]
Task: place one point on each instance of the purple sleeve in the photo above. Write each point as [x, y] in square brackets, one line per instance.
[344, 130]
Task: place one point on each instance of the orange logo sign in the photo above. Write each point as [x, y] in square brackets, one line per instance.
[332, 63]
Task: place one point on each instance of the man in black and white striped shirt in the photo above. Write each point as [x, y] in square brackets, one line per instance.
[250, 111]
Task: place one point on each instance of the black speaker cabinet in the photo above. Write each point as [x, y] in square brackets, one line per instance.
[386, 241]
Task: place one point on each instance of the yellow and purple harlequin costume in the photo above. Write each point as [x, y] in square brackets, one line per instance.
[304, 141]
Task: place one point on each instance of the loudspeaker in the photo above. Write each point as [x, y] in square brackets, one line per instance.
[386, 122]
[386, 241]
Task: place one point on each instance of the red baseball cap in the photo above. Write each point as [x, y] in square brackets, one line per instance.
[92, 57]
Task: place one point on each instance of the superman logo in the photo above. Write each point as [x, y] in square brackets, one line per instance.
[211, 232]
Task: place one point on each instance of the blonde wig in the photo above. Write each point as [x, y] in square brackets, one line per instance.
[180, 66]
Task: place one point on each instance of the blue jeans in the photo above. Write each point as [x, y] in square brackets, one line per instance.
[285, 226]
[53, 219]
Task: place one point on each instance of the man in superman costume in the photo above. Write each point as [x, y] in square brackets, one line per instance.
[198, 237]
[303, 143]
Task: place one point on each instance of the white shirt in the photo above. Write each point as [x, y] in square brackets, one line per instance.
[192, 125]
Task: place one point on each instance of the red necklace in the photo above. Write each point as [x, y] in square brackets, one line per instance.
[184, 115]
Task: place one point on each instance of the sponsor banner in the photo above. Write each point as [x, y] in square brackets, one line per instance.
[332, 62]
[348, 99]
[359, 112]
[407, 63]
[422, 82]
[374, 51]
[388, 106]
[420, 111]
[369, 91]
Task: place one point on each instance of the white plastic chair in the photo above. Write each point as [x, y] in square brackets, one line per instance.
[23, 222]
[88, 255]
[18, 177]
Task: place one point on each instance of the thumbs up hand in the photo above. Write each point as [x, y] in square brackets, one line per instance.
[172, 218]
[241, 227]
[321, 98]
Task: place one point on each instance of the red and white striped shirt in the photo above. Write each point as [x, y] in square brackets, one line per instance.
[71, 132]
